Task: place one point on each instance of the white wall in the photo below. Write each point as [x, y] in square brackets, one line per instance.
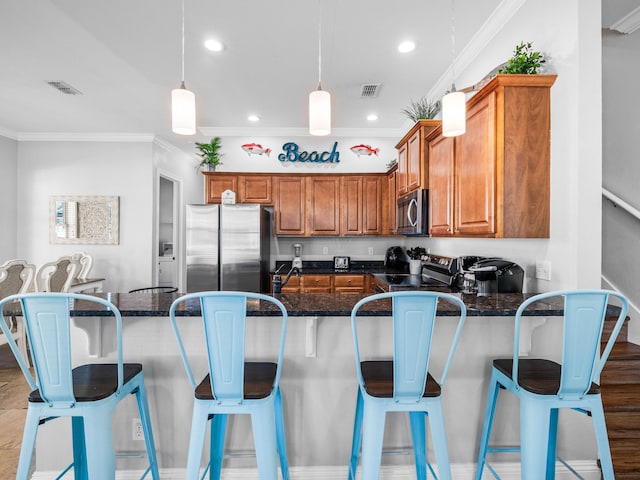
[8, 197]
[126, 169]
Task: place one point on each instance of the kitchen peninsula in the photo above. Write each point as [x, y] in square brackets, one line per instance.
[318, 383]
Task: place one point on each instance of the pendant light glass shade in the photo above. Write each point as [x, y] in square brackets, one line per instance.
[454, 114]
[183, 111]
[319, 112]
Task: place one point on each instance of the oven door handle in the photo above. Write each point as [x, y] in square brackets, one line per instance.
[412, 203]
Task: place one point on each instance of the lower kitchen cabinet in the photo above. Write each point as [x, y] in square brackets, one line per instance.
[316, 283]
[292, 286]
[350, 283]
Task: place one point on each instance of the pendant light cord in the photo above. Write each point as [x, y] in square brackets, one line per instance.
[319, 55]
[453, 47]
[182, 86]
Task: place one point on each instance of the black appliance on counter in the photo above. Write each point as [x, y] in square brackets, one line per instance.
[396, 259]
[411, 214]
[496, 275]
[438, 274]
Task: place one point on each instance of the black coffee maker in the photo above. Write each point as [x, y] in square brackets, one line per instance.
[396, 259]
[496, 275]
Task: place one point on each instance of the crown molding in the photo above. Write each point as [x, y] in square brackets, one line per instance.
[297, 132]
[489, 29]
[8, 133]
[85, 137]
[629, 23]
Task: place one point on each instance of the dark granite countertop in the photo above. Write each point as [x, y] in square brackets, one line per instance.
[312, 304]
[323, 266]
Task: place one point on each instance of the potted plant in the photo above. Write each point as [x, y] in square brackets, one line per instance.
[524, 61]
[422, 109]
[209, 153]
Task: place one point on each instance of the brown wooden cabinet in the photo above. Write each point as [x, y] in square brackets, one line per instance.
[351, 205]
[290, 205]
[391, 203]
[373, 204]
[413, 171]
[249, 188]
[324, 205]
[350, 283]
[292, 286]
[494, 180]
[316, 283]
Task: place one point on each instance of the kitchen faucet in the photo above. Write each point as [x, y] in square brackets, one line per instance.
[277, 279]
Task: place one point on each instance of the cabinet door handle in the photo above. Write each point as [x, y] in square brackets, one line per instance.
[412, 203]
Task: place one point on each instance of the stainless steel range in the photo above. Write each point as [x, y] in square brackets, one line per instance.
[438, 273]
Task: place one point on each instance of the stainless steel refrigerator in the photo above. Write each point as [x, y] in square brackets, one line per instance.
[227, 247]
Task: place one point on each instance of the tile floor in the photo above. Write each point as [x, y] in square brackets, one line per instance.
[13, 408]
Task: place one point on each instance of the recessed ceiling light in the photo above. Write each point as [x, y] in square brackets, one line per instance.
[214, 45]
[406, 47]
[253, 118]
[372, 117]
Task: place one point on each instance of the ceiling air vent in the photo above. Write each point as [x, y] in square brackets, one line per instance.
[369, 90]
[64, 87]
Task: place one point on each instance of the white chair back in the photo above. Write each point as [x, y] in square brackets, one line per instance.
[57, 276]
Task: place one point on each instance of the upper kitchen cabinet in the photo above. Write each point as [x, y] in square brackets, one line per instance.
[391, 201]
[290, 205]
[249, 188]
[413, 172]
[494, 180]
[324, 205]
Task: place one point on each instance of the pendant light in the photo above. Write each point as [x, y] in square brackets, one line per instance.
[183, 102]
[454, 108]
[319, 100]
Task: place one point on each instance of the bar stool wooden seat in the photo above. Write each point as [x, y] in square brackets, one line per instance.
[88, 394]
[403, 383]
[545, 386]
[234, 385]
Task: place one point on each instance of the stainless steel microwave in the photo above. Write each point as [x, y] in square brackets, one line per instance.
[412, 213]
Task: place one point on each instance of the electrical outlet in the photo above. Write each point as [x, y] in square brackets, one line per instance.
[543, 269]
[325, 250]
[136, 429]
[370, 250]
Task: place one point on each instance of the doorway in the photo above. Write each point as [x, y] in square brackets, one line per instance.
[167, 248]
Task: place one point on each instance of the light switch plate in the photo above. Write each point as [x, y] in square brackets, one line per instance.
[543, 269]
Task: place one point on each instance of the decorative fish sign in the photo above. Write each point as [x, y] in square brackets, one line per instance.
[364, 150]
[255, 149]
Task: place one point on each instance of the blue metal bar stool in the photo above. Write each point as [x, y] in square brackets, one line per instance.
[545, 386]
[403, 383]
[88, 394]
[234, 385]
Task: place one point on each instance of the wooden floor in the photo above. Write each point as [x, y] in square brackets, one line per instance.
[13, 403]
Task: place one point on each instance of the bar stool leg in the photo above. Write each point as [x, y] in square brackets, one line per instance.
[101, 461]
[438, 432]
[79, 449]
[553, 440]
[263, 422]
[492, 399]
[372, 438]
[357, 436]
[602, 439]
[145, 419]
[417, 420]
[218, 431]
[196, 440]
[534, 436]
[280, 436]
[28, 442]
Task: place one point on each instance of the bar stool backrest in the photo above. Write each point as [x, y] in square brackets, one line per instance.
[414, 316]
[584, 315]
[48, 325]
[224, 320]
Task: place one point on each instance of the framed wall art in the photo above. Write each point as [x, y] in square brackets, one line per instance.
[88, 219]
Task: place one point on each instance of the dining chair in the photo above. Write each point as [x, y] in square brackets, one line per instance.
[403, 383]
[233, 384]
[544, 386]
[85, 261]
[88, 394]
[16, 276]
[58, 275]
